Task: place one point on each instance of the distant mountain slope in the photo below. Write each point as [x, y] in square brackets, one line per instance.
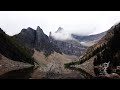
[36, 39]
[76, 44]
[107, 49]
[11, 49]
[103, 58]
[67, 46]
[90, 39]
[60, 29]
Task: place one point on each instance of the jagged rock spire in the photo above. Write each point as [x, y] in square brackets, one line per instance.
[59, 30]
[50, 34]
[38, 28]
[1, 31]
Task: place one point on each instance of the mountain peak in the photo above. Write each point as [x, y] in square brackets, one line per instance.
[39, 29]
[60, 29]
[50, 34]
[1, 31]
[28, 30]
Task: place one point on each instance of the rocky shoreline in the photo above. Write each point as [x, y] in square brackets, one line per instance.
[7, 65]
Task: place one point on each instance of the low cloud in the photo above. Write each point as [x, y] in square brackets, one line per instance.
[62, 35]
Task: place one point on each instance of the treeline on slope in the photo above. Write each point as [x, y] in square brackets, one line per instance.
[107, 49]
[87, 56]
[111, 51]
[11, 49]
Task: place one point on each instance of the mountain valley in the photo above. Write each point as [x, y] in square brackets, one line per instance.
[49, 53]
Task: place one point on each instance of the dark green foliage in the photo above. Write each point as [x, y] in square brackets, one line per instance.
[67, 65]
[111, 51]
[12, 50]
[97, 59]
[87, 56]
[107, 49]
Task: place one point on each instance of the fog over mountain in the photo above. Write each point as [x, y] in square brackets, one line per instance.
[78, 22]
[62, 34]
[59, 44]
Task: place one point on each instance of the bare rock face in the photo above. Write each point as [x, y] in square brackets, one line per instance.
[77, 45]
[60, 29]
[36, 39]
[69, 47]
[40, 37]
[27, 37]
[41, 41]
[50, 34]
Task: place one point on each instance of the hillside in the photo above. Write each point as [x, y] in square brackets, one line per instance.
[11, 49]
[89, 40]
[106, 50]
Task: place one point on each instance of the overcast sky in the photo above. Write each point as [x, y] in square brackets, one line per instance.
[80, 22]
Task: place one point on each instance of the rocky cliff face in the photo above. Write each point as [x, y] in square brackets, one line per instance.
[36, 39]
[42, 42]
[77, 45]
[60, 29]
[27, 37]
